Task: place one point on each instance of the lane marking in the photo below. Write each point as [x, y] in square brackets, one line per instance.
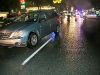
[32, 55]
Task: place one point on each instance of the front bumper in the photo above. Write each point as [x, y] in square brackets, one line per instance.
[13, 43]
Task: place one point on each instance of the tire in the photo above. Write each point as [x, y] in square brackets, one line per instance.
[32, 40]
[57, 30]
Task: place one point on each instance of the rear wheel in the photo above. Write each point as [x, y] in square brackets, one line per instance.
[33, 40]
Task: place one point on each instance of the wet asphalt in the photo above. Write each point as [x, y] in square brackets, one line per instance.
[76, 51]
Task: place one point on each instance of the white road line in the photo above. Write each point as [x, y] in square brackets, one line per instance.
[31, 56]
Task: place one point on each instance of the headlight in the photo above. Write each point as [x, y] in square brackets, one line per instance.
[17, 34]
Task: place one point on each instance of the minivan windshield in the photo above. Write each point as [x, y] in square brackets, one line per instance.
[27, 17]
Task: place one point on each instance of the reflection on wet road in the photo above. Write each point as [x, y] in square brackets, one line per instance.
[82, 58]
[73, 52]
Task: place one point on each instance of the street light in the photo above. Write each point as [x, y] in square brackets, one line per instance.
[57, 1]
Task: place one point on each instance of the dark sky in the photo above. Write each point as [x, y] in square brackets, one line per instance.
[84, 4]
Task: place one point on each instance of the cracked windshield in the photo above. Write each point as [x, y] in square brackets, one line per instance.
[49, 37]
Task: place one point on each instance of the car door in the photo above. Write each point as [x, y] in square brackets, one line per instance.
[52, 20]
[45, 25]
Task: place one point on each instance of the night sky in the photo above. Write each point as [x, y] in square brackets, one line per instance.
[6, 5]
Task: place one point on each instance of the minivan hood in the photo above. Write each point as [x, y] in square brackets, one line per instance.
[16, 25]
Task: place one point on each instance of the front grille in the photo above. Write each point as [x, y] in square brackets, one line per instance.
[4, 36]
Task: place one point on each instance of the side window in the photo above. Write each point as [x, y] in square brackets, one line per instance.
[43, 17]
[55, 14]
[32, 17]
[35, 16]
[26, 17]
[49, 15]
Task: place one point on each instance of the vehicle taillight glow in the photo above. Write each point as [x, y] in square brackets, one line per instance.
[57, 18]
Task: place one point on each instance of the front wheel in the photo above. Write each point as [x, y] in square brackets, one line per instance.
[33, 40]
[57, 30]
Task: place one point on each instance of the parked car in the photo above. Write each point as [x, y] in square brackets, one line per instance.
[90, 24]
[7, 21]
[1, 21]
[91, 16]
[29, 28]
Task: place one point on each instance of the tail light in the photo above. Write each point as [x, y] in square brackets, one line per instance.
[58, 19]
